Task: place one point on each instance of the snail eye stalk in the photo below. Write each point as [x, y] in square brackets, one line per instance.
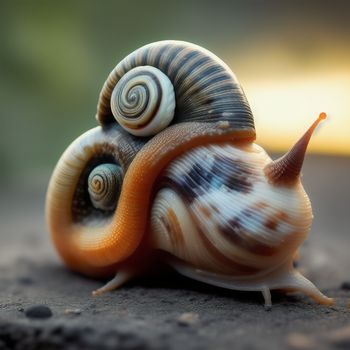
[286, 170]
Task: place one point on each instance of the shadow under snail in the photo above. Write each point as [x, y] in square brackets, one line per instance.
[173, 172]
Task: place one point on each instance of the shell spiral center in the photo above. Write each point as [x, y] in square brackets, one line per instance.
[104, 185]
[143, 101]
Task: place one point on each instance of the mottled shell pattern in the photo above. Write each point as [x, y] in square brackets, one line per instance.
[173, 172]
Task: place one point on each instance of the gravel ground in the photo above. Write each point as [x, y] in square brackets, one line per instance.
[168, 311]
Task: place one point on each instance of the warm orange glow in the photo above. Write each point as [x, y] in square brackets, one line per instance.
[284, 109]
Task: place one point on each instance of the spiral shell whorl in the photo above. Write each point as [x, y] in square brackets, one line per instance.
[143, 101]
[104, 184]
[205, 88]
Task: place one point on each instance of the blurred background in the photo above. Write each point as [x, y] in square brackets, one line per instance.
[291, 57]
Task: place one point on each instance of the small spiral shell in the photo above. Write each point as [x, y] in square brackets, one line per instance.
[143, 101]
[104, 184]
[69, 207]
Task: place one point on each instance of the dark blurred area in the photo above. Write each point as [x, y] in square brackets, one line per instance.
[55, 56]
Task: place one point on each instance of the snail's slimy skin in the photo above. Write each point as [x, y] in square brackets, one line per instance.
[172, 168]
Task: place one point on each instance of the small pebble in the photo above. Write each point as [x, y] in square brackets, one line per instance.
[188, 318]
[38, 311]
[300, 341]
[268, 307]
[72, 311]
[24, 280]
[345, 285]
[224, 124]
[340, 337]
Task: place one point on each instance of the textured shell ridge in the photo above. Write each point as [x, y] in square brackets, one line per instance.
[202, 82]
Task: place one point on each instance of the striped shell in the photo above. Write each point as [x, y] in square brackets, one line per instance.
[210, 107]
[143, 101]
[222, 222]
[205, 88]
[104, 184]
[236, 222]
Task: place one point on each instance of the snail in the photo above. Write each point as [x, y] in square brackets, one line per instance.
[173, 172]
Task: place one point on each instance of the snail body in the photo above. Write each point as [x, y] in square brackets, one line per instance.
[173, 168]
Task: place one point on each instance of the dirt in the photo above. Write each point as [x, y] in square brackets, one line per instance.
[167, 311]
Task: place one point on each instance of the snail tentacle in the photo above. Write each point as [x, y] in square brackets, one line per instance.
[121, 277]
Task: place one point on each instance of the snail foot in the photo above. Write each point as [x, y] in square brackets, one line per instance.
[299, 283]
[267, 298]
[117, 281]
[284, 278]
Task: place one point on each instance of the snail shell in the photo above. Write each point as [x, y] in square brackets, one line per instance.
[143, 101]
[259, 232]
[205, 88]
[173, 168]
[104, 184]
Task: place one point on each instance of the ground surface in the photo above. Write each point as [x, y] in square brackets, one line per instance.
[171, 312]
